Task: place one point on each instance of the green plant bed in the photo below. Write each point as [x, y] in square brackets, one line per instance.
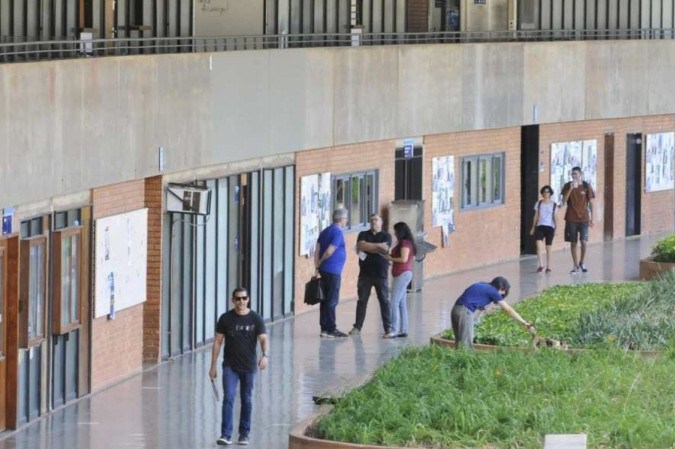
[664, 250]
[627, 315]
[441, 398]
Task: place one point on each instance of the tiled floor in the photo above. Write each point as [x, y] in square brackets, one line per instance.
[172, 406]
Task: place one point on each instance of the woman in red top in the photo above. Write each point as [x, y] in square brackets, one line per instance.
[402, 256]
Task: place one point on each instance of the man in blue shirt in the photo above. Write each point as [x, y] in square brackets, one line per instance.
[477, 297]
[329, 260]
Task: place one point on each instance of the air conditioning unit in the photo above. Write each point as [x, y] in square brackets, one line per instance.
[188, 199]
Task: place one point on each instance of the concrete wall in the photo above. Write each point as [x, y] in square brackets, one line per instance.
[71, 125]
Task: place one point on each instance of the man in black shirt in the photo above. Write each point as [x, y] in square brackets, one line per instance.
[240, 328]
[371, 245]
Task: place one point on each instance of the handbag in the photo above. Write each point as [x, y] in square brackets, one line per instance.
[314, 291]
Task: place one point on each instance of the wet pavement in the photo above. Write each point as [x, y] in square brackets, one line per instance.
[172, 406]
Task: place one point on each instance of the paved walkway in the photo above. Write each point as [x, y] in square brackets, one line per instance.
[171, 406]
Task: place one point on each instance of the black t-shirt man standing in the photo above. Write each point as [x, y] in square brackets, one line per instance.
[371, 246]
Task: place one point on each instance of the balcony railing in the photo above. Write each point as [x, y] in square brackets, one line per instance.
[16, 51]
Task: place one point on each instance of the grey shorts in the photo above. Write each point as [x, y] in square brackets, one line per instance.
[575, 231]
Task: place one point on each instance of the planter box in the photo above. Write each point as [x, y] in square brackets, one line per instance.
[649, 269]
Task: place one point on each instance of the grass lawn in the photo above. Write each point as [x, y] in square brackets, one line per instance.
[435, 397]
[441, 398]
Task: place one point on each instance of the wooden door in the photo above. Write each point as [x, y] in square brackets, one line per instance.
[3, 337]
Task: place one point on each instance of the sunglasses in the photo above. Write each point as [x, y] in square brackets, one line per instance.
[240, 298]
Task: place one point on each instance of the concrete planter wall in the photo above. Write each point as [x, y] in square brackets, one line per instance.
[300, 438]
[650, 269]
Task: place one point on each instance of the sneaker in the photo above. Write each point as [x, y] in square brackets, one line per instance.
[243, 441]
[355, 331]
[548, 270]
[402, 335]
[540, 269]
[338, 334]
[575, 270]
[583, 267]
[390, 334]
[326, 334]
[223, 441]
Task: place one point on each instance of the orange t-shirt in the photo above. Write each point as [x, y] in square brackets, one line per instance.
[577, 202]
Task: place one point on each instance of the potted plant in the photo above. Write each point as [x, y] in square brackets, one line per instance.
[661, 260]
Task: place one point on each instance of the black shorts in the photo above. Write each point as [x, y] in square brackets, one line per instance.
[545, 232]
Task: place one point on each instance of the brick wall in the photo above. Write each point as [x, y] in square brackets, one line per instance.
[117, 345]
[657, 207]
[483, 236]
[336, 160]
[152, 318]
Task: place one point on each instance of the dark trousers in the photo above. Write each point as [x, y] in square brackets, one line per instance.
[364, 287]
[331, 288]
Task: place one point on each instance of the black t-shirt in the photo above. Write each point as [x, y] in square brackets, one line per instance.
[241, 336]
[374, 265]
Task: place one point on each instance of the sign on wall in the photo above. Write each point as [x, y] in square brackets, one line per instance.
[121, 261]
[443, 192]
[315, 209]
[217, 18]
[567, 155]
[659, 162]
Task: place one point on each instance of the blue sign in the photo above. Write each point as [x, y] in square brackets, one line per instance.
[408, 148]
[7, 216]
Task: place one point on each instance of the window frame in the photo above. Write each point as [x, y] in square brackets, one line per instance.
[25, 340]
[369, 200]
[58, 326]
[482, 185]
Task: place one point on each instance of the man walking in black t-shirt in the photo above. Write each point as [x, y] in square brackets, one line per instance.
[371, 245]
[240, 328]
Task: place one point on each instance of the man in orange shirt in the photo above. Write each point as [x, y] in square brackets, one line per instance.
[578, 195]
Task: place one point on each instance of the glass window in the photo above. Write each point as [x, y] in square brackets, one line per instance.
[357, 192]
[36, 291]
[67, 291]
[483, 180]
[355, 212]
[483, 176]
[497, 183]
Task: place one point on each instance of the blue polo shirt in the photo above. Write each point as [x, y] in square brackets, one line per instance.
[333, 235]
[478, 296]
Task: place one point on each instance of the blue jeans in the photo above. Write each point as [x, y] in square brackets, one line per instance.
[230, 380]
[331, 288]
[399, 305]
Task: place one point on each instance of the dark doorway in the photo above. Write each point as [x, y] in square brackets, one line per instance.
[608, 229]
[408, 173]
[529, 184]
[633, 183]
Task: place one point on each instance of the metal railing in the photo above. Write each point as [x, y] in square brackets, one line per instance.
[72, 48]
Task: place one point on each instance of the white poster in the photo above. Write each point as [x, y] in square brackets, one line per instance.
[567, 155]
[443, 192]
[659, 162]
[121, 261]
[315, 213]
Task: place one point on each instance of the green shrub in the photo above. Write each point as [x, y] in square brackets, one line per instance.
[442, 398]
[664, 250]
[644, 320]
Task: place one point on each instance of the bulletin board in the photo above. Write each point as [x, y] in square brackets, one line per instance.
[121, 262]
[315, 209]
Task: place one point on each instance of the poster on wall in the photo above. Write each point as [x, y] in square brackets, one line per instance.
[567, 155]
[659, 162]
[589, 162]
[443, 192]
[121, 261]
[314, 210]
